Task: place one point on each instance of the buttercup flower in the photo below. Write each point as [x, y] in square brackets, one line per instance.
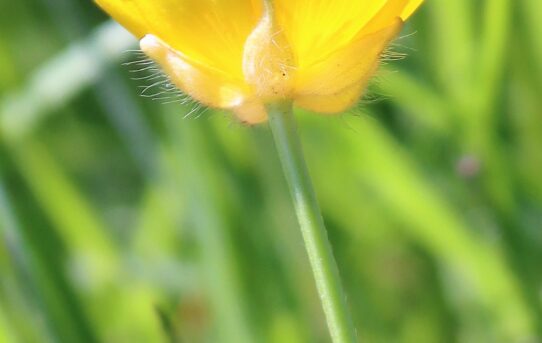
[242, 54]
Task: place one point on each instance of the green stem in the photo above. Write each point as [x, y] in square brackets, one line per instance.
[324, 267]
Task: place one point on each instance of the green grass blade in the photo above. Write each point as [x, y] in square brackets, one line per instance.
[60, 79]
[202, 183]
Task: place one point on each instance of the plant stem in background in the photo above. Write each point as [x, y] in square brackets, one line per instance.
[324, 267]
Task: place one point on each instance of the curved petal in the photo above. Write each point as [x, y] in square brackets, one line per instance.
[410, 8]
[200, 82]
[346, 67]
[387, 14]
[333, 103]
[315, 28]
[210, 31]
[203, 84]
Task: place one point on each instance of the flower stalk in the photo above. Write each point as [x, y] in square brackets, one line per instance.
[324, 267]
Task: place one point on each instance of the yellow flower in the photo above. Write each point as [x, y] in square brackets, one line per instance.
[242, 54]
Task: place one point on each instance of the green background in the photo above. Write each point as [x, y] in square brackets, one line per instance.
[124, 219]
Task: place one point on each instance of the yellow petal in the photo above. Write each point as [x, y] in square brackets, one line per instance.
[387, 14]
[410, 8]
[212, 32]
[204, 84]
[315, 28]
[334, 103]
[346, 67]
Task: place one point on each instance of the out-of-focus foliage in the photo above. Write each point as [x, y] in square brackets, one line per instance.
[122, 221]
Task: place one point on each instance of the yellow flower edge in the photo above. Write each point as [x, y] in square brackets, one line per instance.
[239, 55]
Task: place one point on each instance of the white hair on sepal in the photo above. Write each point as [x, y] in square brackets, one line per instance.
[390, 54]
[197, 111]
[371, 95]
[396, 51]
[157, 85]
[145, 69]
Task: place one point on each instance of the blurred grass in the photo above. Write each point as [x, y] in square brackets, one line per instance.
[123, 222]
